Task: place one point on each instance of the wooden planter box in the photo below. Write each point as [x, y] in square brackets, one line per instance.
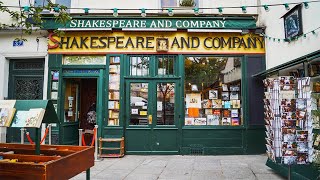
[54, 161]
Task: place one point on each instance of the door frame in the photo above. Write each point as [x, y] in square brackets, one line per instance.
[99, 105]
[153, 127]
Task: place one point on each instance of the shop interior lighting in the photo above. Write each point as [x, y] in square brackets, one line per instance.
[244, 9]
[266, 8]
[286, 5]
[86, 10]
[170, 12]
[196, 11]
[26, 10]
[306, 5]
[56, 11]
[143, 12]
[115, 12]
[220, 10]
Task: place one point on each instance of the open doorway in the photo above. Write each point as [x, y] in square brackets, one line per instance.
[80, 104]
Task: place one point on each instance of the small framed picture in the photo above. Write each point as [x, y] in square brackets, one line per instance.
[213, 94]
[55, 85]
[55, 75]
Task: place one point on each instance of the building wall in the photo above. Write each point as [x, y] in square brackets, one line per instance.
[279, 53]
[30, 49]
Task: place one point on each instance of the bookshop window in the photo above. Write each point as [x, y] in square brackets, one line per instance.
[213, 91]
[165, 65]
[139, 65]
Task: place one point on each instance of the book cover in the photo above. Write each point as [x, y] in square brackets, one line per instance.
[111, 105]
[213, 94]
[234, 88]
[189, 121]
[216, 103]
[193, 100]
[6, 116]
[55, 75]
[235, 121]
[20, 119]
[213, 119]
[226, 113]
[226, 104]
[236, 103]
[55, 85]
[34, 117]
[234, 95]
[193, 112]
[226, 121]
[114, 69]
[200, 121]
[225, 87]
[208, 111]
[206, 103]
[225, 96]
[115, 59]
[234, 113]
[54, 95]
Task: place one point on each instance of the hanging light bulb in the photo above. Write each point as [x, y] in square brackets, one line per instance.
[220, 10]
[56, 11]
[286, 5]
[170, 12]
[115, 12]
[26, 10]
[143, 12]
[266, 8]
[244, 9]
[306, 5]
[86, 10]
[196, 11]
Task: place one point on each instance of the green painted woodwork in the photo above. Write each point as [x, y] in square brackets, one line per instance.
[255, 143]
[156, 22]
[301, 172]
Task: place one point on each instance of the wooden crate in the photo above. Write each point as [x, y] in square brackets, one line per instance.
[54, 161]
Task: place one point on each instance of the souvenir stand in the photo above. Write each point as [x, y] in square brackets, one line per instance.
[35, 161]
[291, 134]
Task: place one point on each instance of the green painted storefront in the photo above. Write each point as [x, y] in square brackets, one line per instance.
[151, 138]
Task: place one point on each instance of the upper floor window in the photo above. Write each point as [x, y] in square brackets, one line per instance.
[179, 3]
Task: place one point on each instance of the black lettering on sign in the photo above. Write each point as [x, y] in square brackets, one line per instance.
[83, 42]
[149, 42]
[175, 42]
[184, 41]
[111, 40]
[129, 42]
[195, 42]
[226, 43]
[93, 43]
[62, 42]
[205, 42]
[102, 41]
[74, 43]
[119, 43]
[140, 41]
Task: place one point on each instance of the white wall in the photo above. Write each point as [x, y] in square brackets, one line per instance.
[156, 4]
[279, 53]
[30, 49]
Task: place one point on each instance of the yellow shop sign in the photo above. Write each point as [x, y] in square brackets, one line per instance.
[153, 42]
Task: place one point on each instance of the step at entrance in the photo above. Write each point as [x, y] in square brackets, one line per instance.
[111, 141]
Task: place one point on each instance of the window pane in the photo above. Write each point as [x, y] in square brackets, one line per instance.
[139, 65]
[165, 65]
[213, 91]
[165, 103]
[138, 103]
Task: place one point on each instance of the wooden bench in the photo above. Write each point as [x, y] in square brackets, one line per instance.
[108, 141]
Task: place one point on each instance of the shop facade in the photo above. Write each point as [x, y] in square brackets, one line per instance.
[167, 85]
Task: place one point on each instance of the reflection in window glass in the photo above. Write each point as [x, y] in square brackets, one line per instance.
[213, 91]
[165, 65]
[165, 103]
[139, 65]
[138, 103]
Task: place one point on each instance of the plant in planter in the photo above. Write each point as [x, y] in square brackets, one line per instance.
[189, 3]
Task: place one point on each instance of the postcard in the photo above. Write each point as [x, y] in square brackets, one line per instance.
[289, 160]
[189, 121]
[302, 158]
[289, 134]
[234, 88]
[216, 103]
[225, 96]
[302, 135]
[200, 121]
[206, 103]
[213, 94]
[213, 119]
[226, 121]
[193, 100]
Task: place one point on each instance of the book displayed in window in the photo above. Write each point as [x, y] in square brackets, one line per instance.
[30, 118]
[114, 91]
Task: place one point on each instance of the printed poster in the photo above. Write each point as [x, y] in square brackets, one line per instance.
[193, 100]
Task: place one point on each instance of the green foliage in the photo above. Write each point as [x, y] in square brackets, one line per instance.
[33, 21]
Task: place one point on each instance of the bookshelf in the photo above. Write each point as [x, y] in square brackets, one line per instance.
[114, 91]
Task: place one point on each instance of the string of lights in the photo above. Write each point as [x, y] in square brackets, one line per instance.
[304, 35]
[170, 11]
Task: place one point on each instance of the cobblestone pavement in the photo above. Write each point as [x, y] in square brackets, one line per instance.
[133, 167]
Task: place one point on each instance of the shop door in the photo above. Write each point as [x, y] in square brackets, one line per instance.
[152, 113]
[70, 111]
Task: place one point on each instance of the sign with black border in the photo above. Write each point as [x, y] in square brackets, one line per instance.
[293, 22]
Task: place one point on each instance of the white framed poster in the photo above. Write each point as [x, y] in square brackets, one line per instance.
[193, 100]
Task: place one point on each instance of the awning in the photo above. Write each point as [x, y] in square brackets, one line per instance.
[307, 58]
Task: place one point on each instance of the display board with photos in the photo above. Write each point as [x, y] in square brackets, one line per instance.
[214, 106]
[54, 88]
[287, 115]
[114, 91]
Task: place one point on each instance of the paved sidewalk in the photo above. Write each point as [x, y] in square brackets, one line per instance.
[182, 167]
